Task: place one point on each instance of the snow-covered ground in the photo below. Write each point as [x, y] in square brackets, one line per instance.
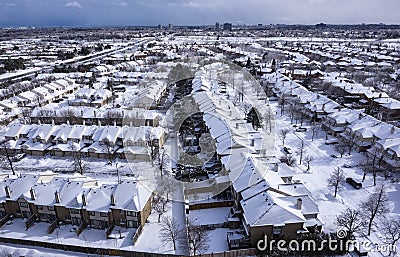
[322, 167]
[65, 234]
[18, 250]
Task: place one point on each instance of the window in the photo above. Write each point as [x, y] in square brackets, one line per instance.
[74, 211]
[103, 214]
[40, 207]
[50, 208]
[91, 213]
[130, 213]
[277, 230]
[23, 205]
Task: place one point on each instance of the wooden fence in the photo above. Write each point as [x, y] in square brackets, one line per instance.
[118, 252]
[5, 219]
[52, 226]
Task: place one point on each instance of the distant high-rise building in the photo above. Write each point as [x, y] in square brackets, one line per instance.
[170, 26]
[227, 26]
[217, 25]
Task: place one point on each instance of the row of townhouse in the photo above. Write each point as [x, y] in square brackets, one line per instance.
[363, 130]
[264, 198]
[75, 200]
[85, 115]
[150, 95]
[94, 141]
[367, 134]
[40, 95]
[91, 97]
[270, 204]
[378, 104]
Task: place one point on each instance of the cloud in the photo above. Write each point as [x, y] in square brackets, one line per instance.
[194, 12]
[73, 4]
[10, 5]
[191, 4]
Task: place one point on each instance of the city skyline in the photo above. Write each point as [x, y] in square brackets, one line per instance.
[195, 12]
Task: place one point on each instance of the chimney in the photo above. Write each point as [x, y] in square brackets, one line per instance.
[392, 130]
[8, 192]
[237, 125]
[33, 195]
[252, 142]
[112, 200]
[299, 203]
[360, 116]
[84, 200]
[57, 197]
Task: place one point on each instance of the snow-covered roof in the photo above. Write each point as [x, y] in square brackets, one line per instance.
[131, 195]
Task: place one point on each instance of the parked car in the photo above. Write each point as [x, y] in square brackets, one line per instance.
[354, 183]
[347, 165]
[333, 156]
[287, 150]
[332, 141]
[301, 129]
[18, 157]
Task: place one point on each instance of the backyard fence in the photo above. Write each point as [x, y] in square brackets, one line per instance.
[118, 252]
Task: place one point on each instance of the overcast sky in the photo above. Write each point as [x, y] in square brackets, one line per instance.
[195, 12]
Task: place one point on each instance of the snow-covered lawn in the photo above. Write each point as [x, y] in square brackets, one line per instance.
[210, 216]
[218, 241]
[18, 250]
[66, 235]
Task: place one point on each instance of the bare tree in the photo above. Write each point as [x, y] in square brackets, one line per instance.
[79, 163]
[197, 237]
[350, 142]
[314, 130]
[340, 148]
[70, 114]
[308, 159]
[283, 134]
[292, 111]
[269, 118]
[171, 231]
[26, 114]
[5, 157]
[162, 160]
[109, 148]
[375, 206]
[282, 102]
[375, 162]
[300, 150]
[391, 231]
[301, 116]
[365, 166]
[111, 116]
[166, 187]
[336, 180]
[289, 159]
[158, 204]
[352, 220]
